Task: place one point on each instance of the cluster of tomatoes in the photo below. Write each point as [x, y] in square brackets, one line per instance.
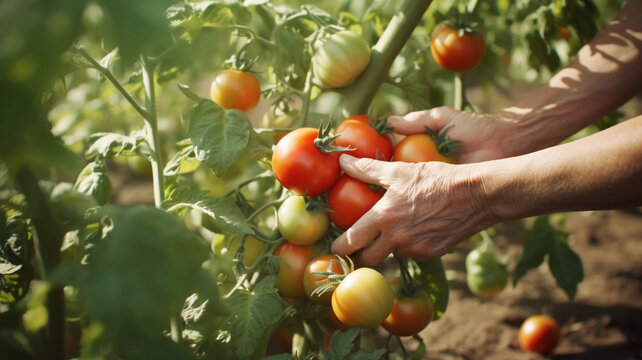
[306, 162]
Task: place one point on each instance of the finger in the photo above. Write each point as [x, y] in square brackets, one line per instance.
[416, 122]
[358, 236]
[367, 170]
[375, 253]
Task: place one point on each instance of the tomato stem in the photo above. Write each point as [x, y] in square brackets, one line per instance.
[459, 95]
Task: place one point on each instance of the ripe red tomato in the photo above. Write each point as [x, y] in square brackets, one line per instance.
[311, 281]
[235, 89]
[410, 313]
[456, 53]
[539, 334]
[357, 133]
[301, 167]
[419, 148]
[349, 199]
[293, 259]
[364, 298]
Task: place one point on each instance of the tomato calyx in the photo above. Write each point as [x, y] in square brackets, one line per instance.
[445, 145]
[324, 141]
[334, 279]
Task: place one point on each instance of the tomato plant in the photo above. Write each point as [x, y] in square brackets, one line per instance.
[301, 166]
[312, 280]
[455, 51]
[349, 199]
[235, 89]
[427, 146]
[299, 225]
[340, 59]
[293, 259]
[355, 132]
[539, 334]
[363, 298]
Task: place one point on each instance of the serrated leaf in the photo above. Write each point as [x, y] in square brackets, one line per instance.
[219, 136]
[183, 162]
[224, 211]
[251, 314]
[107, 59]
[566, 267]
[108, 145]
[433, 276]
[538, 243]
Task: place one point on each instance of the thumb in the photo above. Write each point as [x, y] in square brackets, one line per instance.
[416, 122]
[367, 170]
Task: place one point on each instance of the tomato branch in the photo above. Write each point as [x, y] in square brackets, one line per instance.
[109, 76]
[151, 123]
[384, 52]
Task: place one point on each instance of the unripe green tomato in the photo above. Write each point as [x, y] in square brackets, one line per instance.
[226, 246]
[298, 225]
[342, 57]
[486, 276]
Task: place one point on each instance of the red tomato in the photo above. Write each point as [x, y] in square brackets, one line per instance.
[235, 89]
[456, 53]
[293, 259]
[349, 199]
[357, 133]
[539, 334]
[301, 167]
[419, 148]
[410, 313]
[312, 281]
[364, 298]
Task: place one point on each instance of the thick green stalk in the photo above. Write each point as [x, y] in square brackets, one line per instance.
[151, 123]
[384, 52]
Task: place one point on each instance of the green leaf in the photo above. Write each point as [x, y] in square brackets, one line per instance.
[539, 241]
[224, 211]
[139, 277]
[362, 355]
[341, 342]
[433, 276]
[566, 266]
[252, 314]
[108, 145]
[183, 162]
[219, 136]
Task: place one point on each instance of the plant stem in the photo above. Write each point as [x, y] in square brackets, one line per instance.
[459, 96]
[48, 238]
[151, 123]
[109, 76]
[365, 87]
[305, 106]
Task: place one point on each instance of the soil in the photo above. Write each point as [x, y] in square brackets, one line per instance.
[603, 322]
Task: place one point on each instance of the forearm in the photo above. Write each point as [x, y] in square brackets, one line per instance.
[605, 74]
[601, 171]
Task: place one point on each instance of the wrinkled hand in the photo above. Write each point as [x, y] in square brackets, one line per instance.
[482, 136]
[427, 209]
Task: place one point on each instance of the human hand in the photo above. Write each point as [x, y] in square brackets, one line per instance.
[482, 136]
[427, 209]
